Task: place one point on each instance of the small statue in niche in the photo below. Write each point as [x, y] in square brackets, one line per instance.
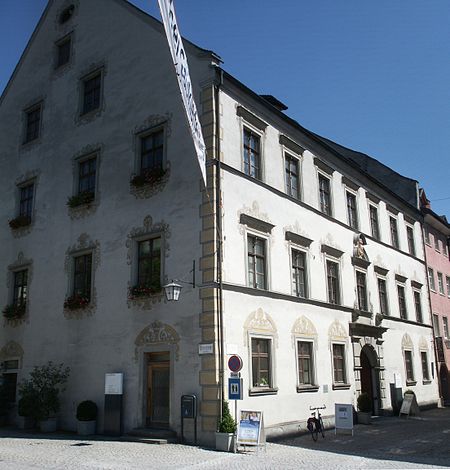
[359, 251]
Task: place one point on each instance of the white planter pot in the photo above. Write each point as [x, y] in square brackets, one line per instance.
[86, 428]
[224, 441]
[364, 417]
[25, 422]
[48, 425]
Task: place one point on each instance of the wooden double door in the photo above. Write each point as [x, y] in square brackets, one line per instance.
[158, 390]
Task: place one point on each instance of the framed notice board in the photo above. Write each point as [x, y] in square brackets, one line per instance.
[251, 428]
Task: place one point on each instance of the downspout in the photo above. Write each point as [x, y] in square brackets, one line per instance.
[219, 242]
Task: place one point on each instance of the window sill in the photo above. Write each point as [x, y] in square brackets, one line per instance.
[411, 383]
[341, 386]
[307, 388]
[426, 382]
[262, 391]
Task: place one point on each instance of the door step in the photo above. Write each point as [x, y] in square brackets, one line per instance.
[151, 436]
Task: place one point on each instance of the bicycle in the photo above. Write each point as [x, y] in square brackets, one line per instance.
[315, 423]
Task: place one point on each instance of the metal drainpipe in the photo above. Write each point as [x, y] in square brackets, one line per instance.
[219, 243]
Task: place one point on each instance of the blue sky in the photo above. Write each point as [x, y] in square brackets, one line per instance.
[374, 76]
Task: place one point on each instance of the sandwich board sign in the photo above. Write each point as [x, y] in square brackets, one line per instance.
[251, 429]
[343, 417]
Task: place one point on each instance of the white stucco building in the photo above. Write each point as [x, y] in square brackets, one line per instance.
[309, 256]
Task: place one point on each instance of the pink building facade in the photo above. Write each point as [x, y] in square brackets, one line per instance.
[437, 236]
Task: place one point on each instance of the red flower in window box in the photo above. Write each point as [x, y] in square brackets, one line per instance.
[17, 310]
[20, 221]
[148, 177]
[139, 291]
[75, 302]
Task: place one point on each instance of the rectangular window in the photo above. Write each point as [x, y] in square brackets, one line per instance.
[411, 244]
[382, 294]
[256, 262]
[252, 154]
[445, 324]
[86, 175]
[291, 172]
[10, 387]
[333, 282]
[409, 366]
[92, 93]
[33, 123]
[339, 372]
[63, 52]
[425, 370]
[431, 279]
[427, 236]
[447, 278]
[20, 287]
[152, 151]
[394, 231]
[261, 363]
[374, 225]
[324, 195]
[149, 263]
[352, 211]
[299, 273]
[436, 243]
[82, 276]
[440, 283]
[402, 302]
[26, 201]
[436, 327]
[305, 363]
[361, 288]
[418, 306]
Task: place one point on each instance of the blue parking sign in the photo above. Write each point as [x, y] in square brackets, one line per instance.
[234, 388]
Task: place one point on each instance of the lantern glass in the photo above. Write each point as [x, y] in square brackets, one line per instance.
[172, 291]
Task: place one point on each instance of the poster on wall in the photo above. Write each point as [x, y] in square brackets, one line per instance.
[250, 428]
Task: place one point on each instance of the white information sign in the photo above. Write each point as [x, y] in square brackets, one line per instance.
[179, 58]
[206, 348]
[343, 416]
[397, 380]
[114, 384]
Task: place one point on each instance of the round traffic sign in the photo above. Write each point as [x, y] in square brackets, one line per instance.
[235, 363]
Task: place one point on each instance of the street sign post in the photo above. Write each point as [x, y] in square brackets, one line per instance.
[235, 363]
[235, 388]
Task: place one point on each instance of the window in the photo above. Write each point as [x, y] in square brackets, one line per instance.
[447, 278]
[261, 363]
[409, 366]
[402, 302]
[374, 225]
[445, 324]
[333, 282]
[418, 306]
[425, 370]
[149, 263]
[431, 279]
[82, 276]
[87, 170]
[299, 273]
[352, 211]
[252, 154]
[20, 289]
[291, 169]
[339, 372]
[256, 262]
[305, 363]
[361, 288]
[10, 386]
[63, 49]
[440, 283]
[411, 245]
[382, 294]
[26, 201]
[436, 327]
[33, 123]
[394, 231]
[151, 151]
[92, 93]
[427, 236]
[66, 14]
[436, 243]
[324, 195]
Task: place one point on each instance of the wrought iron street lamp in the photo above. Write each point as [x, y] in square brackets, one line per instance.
[173, 289]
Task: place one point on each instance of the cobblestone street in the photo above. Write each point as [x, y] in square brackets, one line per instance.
[422, 442]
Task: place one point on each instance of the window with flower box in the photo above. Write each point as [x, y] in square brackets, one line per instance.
[150, 167]
[26, 203]
[86, 184]
[82, 276]
[17, 307]
[148, 276]
[32, 123]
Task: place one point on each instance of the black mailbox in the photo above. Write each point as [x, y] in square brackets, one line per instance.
[189, 406]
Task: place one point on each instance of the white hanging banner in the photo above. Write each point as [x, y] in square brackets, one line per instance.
[184, 80]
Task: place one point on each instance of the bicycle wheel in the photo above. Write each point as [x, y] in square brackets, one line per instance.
[312, 428]
[322, 429]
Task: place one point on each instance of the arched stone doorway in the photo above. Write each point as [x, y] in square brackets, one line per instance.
[443, 377]
[369, 374]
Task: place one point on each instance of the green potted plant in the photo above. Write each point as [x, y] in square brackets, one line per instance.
[86, 416]
[364, 404]
[225, 430]
[27, 405]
